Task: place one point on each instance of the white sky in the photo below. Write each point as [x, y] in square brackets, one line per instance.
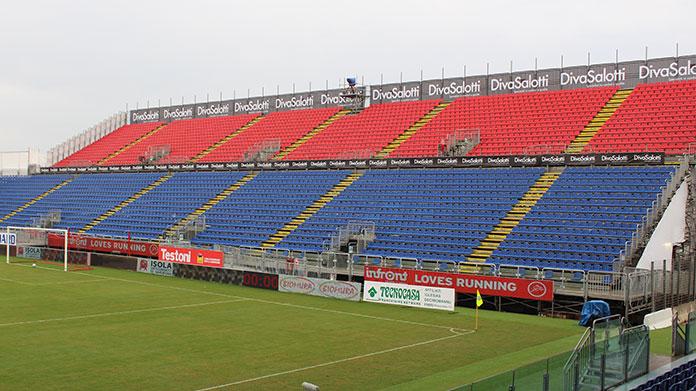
[66, 65]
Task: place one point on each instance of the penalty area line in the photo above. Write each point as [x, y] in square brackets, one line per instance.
[326, 364]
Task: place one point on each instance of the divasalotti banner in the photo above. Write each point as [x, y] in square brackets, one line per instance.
[520, 288]
[603, 159]
[434, 298]
[344, 290]
[625, 74]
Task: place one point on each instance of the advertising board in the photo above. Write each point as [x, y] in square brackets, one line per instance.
[153, 266]
[191, 256]
[520, 288]
[344, 290]
[409, 295]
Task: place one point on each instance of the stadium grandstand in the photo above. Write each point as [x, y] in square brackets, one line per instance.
[446, 233]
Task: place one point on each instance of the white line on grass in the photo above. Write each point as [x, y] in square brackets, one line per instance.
[105, 314]
[16, 281]
[270, 302]
[326, 364]
[69, 282]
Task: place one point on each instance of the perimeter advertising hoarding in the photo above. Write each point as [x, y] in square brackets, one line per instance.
[29, 252]
[520, 288]
[602, 159]
[154, 266]
[191, 256]
[260, 280]
[320, 287]
[434, 298]
[5, 238]
[113, 246]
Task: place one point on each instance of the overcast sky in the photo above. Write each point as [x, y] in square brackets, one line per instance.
[66, 65]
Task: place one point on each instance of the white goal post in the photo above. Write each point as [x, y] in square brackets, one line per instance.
[32, 236]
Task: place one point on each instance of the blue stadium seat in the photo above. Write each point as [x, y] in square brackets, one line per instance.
[85, 198]
[585, 218]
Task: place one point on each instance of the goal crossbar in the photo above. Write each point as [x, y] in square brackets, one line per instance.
[63, 232]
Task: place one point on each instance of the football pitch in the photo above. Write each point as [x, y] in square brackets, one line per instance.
[113, 329]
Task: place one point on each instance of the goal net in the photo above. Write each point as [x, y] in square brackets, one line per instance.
[46, 246]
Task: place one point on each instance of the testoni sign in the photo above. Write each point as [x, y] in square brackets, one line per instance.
[344, 290]
[154, 266]
[191, 256]
[520, 288]
[113, 246]
[6, 238]
[429, 297]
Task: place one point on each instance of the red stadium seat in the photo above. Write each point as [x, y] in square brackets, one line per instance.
[285, 127]
[657, 117]
[184, 138]
[511, 124]
[364, 134]
[100, 149]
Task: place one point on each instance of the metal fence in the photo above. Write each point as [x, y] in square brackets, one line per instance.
[545, 374]
[607, 355]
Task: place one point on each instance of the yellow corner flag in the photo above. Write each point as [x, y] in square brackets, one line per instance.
[479, 302]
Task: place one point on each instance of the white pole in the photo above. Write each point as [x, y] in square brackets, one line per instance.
[65, 253]
[7, 239]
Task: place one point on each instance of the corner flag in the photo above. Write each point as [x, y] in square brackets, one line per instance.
[479, 302]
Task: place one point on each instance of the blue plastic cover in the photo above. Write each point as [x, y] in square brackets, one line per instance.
[593, 309]
[351, 81]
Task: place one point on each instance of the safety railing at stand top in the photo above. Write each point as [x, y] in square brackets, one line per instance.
[654, 212]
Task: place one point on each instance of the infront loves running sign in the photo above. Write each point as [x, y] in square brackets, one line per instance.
[191, 256]
[520, 288]
[114, 246]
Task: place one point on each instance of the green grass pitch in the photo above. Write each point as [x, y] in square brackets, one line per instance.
[111, 329]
